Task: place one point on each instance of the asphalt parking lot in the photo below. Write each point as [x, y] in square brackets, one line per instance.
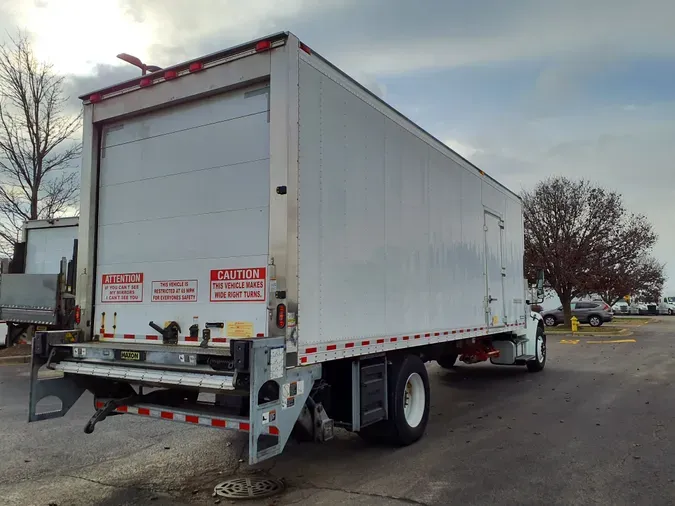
[590, 429]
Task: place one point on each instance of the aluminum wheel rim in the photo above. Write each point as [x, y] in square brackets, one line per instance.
[550, 321]
[595, 321]
[414, 400]
[541, 349]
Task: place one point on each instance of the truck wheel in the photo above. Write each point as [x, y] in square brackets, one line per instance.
[595, 321]
[408, 386]
[539, 360]
[447, 361]
[408, 400]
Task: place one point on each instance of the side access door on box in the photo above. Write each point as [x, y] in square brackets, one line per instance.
[494, 270]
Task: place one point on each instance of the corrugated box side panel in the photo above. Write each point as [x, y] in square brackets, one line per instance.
[391, 238]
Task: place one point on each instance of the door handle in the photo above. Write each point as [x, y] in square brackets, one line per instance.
[491, 299]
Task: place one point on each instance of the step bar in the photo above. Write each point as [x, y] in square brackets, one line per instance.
[147, 376]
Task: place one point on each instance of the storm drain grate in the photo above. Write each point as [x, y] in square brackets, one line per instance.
[250, 487]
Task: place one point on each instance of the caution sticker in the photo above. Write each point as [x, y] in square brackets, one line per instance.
[122, 287]
[238, 285]
[239, 329]
[184, 290]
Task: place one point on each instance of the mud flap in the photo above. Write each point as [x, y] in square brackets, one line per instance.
[64, 388]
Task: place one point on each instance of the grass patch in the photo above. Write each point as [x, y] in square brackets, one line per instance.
[629, 320]
[586, 329]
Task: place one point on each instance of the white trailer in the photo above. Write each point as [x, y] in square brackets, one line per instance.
[37, 292]
[257, 225]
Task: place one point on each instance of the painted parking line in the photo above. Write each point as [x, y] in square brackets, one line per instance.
[612, 341]
[607, 341]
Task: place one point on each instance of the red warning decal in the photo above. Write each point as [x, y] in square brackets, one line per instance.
[122, 287]
[179, 290]
[238, 285]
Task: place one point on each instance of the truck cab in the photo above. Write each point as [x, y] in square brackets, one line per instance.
[667, 305]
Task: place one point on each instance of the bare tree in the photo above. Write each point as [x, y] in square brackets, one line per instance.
[577, 232]
[37, 150]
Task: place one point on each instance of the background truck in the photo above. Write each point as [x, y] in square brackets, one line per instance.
[267, 247]
[38, 290]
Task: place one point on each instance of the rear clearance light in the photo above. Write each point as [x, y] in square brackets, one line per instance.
[281, 316]
[78, 314]
[263, 45]
[170, 74]
[145, 82]
[305, 48]
[196, 66]
[95, 98]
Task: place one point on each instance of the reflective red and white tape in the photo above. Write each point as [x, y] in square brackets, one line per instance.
[150, 337]
[352, 346]
[164, 414]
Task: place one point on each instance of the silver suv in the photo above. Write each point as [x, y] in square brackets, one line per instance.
[594, 313]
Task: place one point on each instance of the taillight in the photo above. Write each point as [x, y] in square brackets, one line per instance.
[607, 308]
[263, 45]
[196, 66]
[78, 314]
[281, 316]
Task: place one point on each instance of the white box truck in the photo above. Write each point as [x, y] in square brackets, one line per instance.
[38, 291]
[267, 247]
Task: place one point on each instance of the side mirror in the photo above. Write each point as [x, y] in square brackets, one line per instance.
[540, 286]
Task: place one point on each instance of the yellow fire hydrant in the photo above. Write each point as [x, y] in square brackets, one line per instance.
[575, 324]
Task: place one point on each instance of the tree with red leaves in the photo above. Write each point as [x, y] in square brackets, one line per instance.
[583, 238]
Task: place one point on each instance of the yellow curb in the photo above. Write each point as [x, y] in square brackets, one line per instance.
[612, 341]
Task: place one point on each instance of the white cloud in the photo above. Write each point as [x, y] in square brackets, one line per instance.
[628, 151]
[466, 150]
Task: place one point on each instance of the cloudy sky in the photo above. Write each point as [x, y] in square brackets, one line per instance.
[523, 88]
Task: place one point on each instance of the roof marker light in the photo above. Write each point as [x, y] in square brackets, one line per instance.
[170, 74]
[196, 66]
[95, 98]
[263, 45]
[145, 82]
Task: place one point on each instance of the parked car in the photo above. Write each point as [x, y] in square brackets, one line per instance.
[621, 307]
[595, 313]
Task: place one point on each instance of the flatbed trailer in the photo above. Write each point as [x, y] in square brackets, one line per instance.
[267, 247]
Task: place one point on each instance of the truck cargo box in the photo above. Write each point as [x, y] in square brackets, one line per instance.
[384, 235]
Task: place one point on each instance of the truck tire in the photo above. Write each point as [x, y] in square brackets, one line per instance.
[447, 361]
[539, 361]
[408, 385]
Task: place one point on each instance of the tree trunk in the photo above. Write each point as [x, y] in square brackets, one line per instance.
[566, 301]
[34, 200]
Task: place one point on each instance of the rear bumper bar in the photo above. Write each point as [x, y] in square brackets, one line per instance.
[203, 417]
